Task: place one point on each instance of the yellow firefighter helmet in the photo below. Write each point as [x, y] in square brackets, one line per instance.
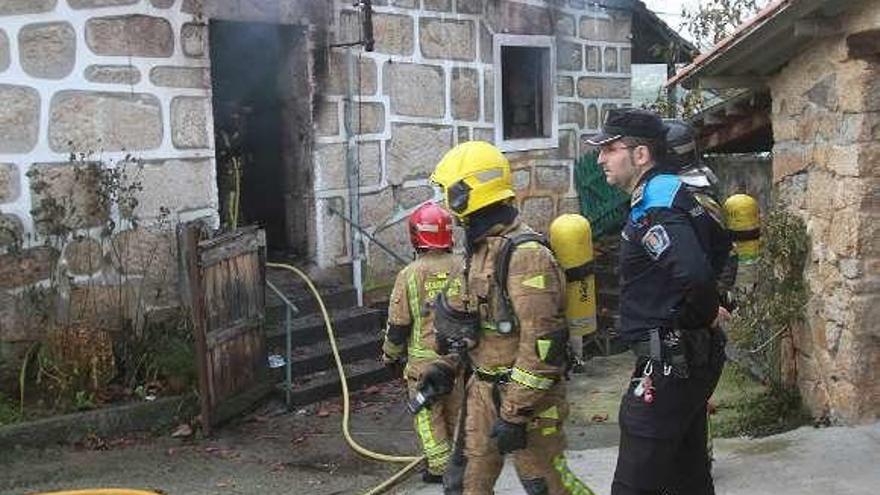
[473, 175]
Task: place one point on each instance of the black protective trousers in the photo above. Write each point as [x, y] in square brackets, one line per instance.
[663, 444]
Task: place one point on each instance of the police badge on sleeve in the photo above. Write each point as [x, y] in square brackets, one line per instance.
[656, 241]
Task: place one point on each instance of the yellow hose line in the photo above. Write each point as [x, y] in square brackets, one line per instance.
[346, 406]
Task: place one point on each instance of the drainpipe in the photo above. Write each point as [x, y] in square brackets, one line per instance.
[351, 167]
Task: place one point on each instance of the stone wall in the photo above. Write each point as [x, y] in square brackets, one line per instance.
[826, 104]
[85, 83]
[750, 174]
[429, 85]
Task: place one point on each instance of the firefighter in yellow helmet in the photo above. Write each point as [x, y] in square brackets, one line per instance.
[510, 315]
[409, 336]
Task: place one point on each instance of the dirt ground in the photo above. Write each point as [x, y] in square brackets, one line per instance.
[269, 451]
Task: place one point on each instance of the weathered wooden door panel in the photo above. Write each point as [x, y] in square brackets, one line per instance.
[226, 288]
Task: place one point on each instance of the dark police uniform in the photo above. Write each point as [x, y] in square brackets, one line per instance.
[670, 257]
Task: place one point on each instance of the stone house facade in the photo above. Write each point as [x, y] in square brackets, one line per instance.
[819, 65]
[108, 112]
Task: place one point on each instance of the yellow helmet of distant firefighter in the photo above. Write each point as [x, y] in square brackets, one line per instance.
[744, 223]
[473, 175]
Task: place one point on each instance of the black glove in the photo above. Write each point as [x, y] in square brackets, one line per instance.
[435, 382]
[510, 436]
[394, 365]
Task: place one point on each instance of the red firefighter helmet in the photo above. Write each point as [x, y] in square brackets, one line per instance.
[430, 227]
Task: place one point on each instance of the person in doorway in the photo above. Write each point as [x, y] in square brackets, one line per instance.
[510, 316]
[410, 345]
[668, 311]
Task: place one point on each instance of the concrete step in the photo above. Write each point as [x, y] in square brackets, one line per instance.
[310, 329]
[318, 356]
[334, 298]
[322, 385]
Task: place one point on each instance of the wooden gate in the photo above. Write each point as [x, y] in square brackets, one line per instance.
[225, 284]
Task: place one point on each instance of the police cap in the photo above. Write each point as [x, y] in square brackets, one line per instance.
[629, 122]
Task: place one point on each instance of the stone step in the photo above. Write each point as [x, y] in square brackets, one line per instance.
[334, 298]
[310, 329]
[325, 384]
[352, 346]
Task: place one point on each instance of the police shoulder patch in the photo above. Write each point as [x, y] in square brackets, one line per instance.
[656, 241]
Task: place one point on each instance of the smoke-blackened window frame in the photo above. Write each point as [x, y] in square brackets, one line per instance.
[546, 134]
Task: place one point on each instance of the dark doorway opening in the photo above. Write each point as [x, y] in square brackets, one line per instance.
[259, 108]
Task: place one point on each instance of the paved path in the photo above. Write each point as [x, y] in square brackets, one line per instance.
[806, 461]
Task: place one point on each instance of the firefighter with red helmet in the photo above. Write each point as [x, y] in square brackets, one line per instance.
[410, 343]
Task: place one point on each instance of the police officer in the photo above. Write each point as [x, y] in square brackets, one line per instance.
[516, 327]
[669, 304]
[410, 338]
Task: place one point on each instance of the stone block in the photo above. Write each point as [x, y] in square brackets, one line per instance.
[113, 74]
[368, 118]
[66, 196]
[85, 120]
[382, 266]
[192, 7]
[415, 90]
[412, 196]
[377, 208]
[489, 96]
[19, 118]
[178, 185]
[393, 33]
[83, 256]
[469, 6]
[566, 25]
[604, 87]
[571, 113]
[869, 160]
[569, 56]
[332, 241]
[845, 234]
[447, 39]
[592, 117]
[189, 122]
[594, 58]
[415, 150]
[465, 93]
[91, 4]
[24, 318]
[136, 35]
[626, 60]
[26, 267]
[605, 108]
[567, 144]
[162, 4]
[553, 177]
[537, 212]
[11, 230]
[4, 51]
[616, 28]
[487, 54]
[143, 251]
[16, 7]
[9, 182]
[565, 86]
[438, 5]
[337, 82]
[517, 18]
[483, 134]
[787, 161]
[569, 205]
[194, 39]
[181, 77]
[104, 306]
[610, 58]
[327, 119]
[331, 171]
[522, 179]
[462, 134]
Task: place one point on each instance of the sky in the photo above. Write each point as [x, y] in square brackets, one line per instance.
[670, 10]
